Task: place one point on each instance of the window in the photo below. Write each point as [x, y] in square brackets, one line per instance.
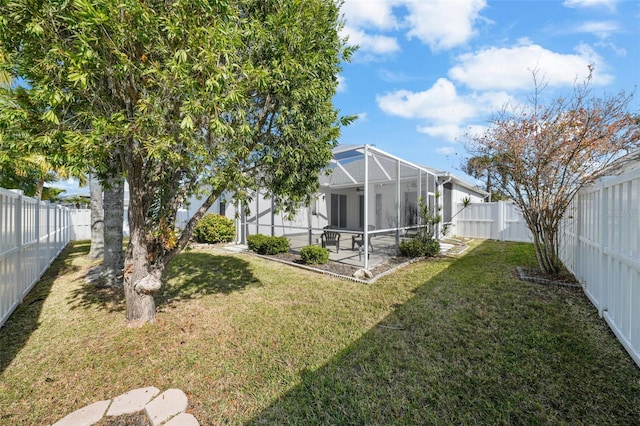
[338, 211]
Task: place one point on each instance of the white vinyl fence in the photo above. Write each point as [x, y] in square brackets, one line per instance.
[32, 234]
[496, 221]
[600, 245]
[80, 224]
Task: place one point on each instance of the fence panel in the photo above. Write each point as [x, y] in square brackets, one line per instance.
[599, 244]
[80, 224]
[476, 220]
[601, 247]
[497, 221]
[32, 234]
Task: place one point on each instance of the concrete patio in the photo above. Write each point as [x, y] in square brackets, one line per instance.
[382, 247]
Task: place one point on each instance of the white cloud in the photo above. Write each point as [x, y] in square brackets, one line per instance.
[610, 4]
[601, 29]
[393, 77]
[362, 116]
[447, 132]
[510, 68]
[440, 102]
[370, 14]
[617, 50]
[446, 150]
[342, 84]
[443, 24]
[440, 24]
[443, 109]
[371, 43]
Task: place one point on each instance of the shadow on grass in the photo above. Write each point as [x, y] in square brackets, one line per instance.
[474, 345]
[189, 275]
[196, 274]
[15, 333]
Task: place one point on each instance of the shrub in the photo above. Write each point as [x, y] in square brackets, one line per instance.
[314, 255]
[412, 248]
[419, 247]
[432, 248]
[255, 241]
[263, 244]
[214, 228]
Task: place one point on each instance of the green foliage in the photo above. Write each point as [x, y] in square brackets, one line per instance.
[424, 243]
[263, 244]
[314, 255]
[231, 95]
[411, 248]
[32, 149]
[255, 241]
[214, 228]
[419, 247]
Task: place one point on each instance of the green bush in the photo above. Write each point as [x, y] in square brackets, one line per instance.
[419, 247]
[214, 228]
[432, 248]
[411, 248]
[314, 255]
[255, 241]
[263, 244]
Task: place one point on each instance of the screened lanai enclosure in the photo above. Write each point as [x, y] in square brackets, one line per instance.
[367, 203]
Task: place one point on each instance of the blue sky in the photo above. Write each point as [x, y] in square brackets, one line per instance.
[430, 71]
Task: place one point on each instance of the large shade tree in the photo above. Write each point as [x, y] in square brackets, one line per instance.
[30, 153]
[186, 95]
[543, 152]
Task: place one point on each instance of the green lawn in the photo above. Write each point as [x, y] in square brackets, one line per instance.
[446, 341]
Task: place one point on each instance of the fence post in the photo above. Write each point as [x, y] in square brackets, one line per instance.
[577, 233]
[602, 259]
[18, 230]
[38, 231]
[48, 206]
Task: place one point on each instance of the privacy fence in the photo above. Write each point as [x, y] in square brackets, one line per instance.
[32, 234]
[496, 221]
[599, 244]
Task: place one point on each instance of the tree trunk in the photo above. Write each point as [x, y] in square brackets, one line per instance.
[39, 189]
[113, 262]
[97, 219]
[141, 307]
[144, 260]
[139, 282]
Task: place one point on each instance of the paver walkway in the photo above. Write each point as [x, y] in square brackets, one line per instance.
[166, 408]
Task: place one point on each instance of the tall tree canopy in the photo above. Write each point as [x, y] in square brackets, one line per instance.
[543, 153]
[227, 95]
[29, 157]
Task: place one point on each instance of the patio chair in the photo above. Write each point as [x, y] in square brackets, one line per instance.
[330, 238]
[359, 239]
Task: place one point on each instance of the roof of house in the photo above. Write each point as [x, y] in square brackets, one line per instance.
[348, 169]
[626, 162]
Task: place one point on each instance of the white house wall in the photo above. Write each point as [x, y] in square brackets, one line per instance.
[277, 223]
[459, 193]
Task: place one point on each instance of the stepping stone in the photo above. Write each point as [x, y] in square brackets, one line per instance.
[166, 405]
[132, 401]
[182, 419]
[85, 416]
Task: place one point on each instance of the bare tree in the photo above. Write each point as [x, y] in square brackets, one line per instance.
[543, 154]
